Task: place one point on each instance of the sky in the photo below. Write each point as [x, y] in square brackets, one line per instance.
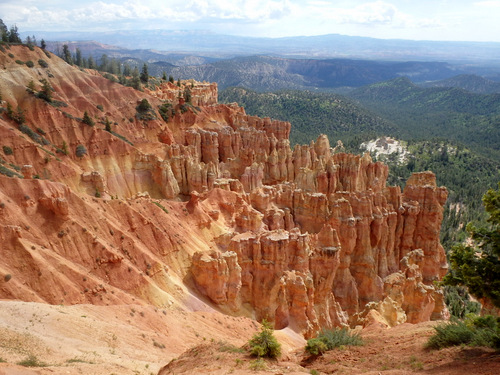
[447, 20]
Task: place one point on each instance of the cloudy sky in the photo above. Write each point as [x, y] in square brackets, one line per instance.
[464, 20]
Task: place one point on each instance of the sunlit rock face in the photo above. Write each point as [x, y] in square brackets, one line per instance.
[207, 205]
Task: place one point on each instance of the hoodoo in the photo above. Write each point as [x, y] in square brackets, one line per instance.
[193, 202]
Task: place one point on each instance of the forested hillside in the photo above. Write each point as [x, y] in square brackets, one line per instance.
[312, 114]
[449, 131]
[469, 82]
[448, 113]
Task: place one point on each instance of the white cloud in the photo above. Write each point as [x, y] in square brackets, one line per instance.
[377, 12]
[488, 4]
[169, 11]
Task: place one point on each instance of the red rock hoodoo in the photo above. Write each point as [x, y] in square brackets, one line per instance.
[208, 203]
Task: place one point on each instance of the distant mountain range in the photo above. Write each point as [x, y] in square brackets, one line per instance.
[469, 82]
[270, 73]
[323, 46]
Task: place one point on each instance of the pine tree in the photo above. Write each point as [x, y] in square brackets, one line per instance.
[144, 73]
[67, 55]
[126, 70]
[107, 125]
[478, 266]
[14, 35]
[87, 119]
[135, 82]
[78, 57]
[92, 64]
[4, 32]
[46, 92]
[43, 45]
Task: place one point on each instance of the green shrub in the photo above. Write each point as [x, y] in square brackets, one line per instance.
[7, 150]
[316, 346]
[19, 62]
[43, 63]
[11, 55]
[143, 106]
[474, 331]
[30, 64]
[331, 339]
[165, 111]
[81, 150]
[264, 344]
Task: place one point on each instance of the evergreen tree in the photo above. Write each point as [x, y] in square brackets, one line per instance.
[107, 125]
[78, 57]
[4, 32]
[126, 70]
[67, 55]
[164, 77]
[46, 92]
[87, 119]
[264, 343]
[14, 35]
[135, 82]
[114, 66]
[171, 79]
[43, 45]
[104, 64]
[478, 266]
[92, 64]
[144, 73]
[187, 95]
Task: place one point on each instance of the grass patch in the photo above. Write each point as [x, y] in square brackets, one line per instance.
[258, 365]
[32, 361]
[9, 173]
[78, 360]
[121, 137]
[227, 347]
[161, 206]
[416, 364]
[331, 339]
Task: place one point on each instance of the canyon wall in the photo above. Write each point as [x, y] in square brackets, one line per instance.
[206, 205]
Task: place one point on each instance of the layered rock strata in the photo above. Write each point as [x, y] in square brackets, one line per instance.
[307, 237]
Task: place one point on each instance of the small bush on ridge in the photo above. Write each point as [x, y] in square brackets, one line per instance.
[264, 344]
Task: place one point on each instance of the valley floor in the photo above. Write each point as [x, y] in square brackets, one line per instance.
[139, 339]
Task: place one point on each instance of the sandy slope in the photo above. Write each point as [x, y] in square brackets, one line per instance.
[124, 339]
[134, 339]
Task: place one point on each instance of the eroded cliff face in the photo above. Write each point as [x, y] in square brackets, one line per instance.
[209, 204]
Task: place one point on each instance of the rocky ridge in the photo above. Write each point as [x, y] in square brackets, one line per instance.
[209, 206]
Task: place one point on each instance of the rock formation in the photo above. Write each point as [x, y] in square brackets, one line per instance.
[308, 237]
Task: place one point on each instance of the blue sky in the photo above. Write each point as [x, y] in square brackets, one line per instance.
[462, 20]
